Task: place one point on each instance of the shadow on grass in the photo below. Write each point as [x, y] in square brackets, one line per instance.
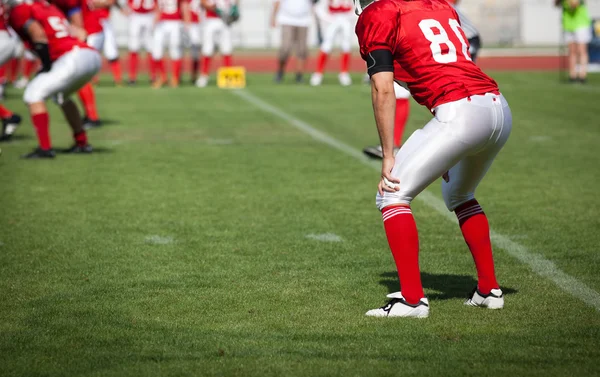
[97, 150]
[447, 286]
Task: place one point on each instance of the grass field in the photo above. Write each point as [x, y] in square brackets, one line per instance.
[209, 236]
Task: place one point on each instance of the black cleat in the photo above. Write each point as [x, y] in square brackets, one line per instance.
[278, 78]
[9, 125]
[39, 153]
[131, 82]
[299, 78]
[79, 149]
[88, 124]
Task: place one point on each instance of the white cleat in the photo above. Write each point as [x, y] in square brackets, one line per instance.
[398, 307]
[316, 79]
[21, 83]
[202, 81]
[493, 300]
[345, 79]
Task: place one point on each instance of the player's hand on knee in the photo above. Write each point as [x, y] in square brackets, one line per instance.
[388, 183]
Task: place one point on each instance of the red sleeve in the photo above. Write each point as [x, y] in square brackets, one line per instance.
[377, 28]
[20, 17]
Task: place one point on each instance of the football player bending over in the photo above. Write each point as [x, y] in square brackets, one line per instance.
[421, 44]
[9, 120]
[67, 65]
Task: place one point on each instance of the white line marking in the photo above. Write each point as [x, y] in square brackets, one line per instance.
[535, 261]
[158, 240]
[325, 237]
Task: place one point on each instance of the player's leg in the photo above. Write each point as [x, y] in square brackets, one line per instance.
[211, 27]
[571, 41]
[301, 39]
[328, 38]
[402, 114]
[284, 51]
[458, 188]
[346, 46]
[195, 36]
[157, 55]
[134, 44]
[175, 51]
[111, 51]
[86, 93]
[584, 37]
[226, 44]
[147, 21]
[9, 120]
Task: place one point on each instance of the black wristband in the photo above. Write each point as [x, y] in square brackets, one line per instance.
[42, 51]
[380, 61]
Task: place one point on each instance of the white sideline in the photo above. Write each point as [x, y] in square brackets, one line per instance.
[535, 261]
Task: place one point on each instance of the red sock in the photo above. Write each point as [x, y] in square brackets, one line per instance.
[29, 67]
[206, 65]
[115, 67]
[41, 122]
[86, 94]
[403, 238]
[159, 69]
[3, 74]
[5, 113]
[345, 62]
[176, 68]
[476, 231]
[322, 60]
[81, 138]
[151, 67]
[133, 66]
[402, 112]
[227, 61]
[14, 70]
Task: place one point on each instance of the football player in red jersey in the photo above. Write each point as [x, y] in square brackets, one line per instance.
[7, 46]
[220, 14]
[339, 16]
[141, 21]
[420, 43]
[170, 17]
[67, 65]
[101, 36]
[194, 34]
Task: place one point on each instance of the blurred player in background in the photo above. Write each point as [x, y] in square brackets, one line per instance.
[170, 18]
[469, 29]
[141, 16]
[7, 49]
[24, 61]
[194, 38]
[577, 26]
[294, 17]
[216, 28]
[67, 64]
[420, 43]
[97, 12]
[339, 17]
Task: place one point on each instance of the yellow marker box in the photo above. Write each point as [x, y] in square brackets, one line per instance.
[231, 78]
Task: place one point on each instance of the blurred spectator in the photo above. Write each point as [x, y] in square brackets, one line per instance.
[577, 26]
[294, 17]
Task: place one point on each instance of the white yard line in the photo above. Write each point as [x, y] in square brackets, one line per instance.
[535, 261]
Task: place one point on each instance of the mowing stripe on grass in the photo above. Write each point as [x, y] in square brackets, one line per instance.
[536, 262]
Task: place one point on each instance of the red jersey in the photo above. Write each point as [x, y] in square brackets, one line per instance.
[170, 10]
[142, 6]
[431, 52]
[341, 6]
[195, 10]
[55, 25]
[68, 7]
[91, 17]
[223, 5]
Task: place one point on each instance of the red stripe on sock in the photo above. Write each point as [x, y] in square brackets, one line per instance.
[41, 122]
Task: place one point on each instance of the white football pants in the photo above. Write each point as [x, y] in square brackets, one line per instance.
[341, 24]
[216, 31]
[105, 41]
[170, 31]
[462, 139]
[68, 74]
[7, 47]
[140, 31]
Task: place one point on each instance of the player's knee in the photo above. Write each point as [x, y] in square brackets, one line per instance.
[390, 199]
[33, 95]
[453, 199]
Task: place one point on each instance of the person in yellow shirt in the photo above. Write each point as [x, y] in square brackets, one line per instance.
[577, 25]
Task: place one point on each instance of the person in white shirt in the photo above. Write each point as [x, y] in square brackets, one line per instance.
[294, 17]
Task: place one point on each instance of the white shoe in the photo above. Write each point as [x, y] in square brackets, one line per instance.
[21, 83]
[398, 307]
[316, 79]
[493, 300]
[202, 81]
[345, 79]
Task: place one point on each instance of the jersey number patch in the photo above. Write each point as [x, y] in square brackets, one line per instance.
[447, 55]
[60, 26]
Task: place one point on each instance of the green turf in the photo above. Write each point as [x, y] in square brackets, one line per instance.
[181, 248]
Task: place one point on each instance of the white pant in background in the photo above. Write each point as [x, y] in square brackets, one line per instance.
[110, 48]
[216, 31]
[68, 74]
[140, 31]
[170, 31]
[462, 139]
[194, 39]
[7, 47]
[340, 24]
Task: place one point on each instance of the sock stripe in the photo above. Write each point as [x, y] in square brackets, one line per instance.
[396, 211]
[469, 212]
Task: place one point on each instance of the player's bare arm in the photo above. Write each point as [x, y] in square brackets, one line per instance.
[40, 44]
[206, 4]
[77, 28]
[98, 4]
[274, 14]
